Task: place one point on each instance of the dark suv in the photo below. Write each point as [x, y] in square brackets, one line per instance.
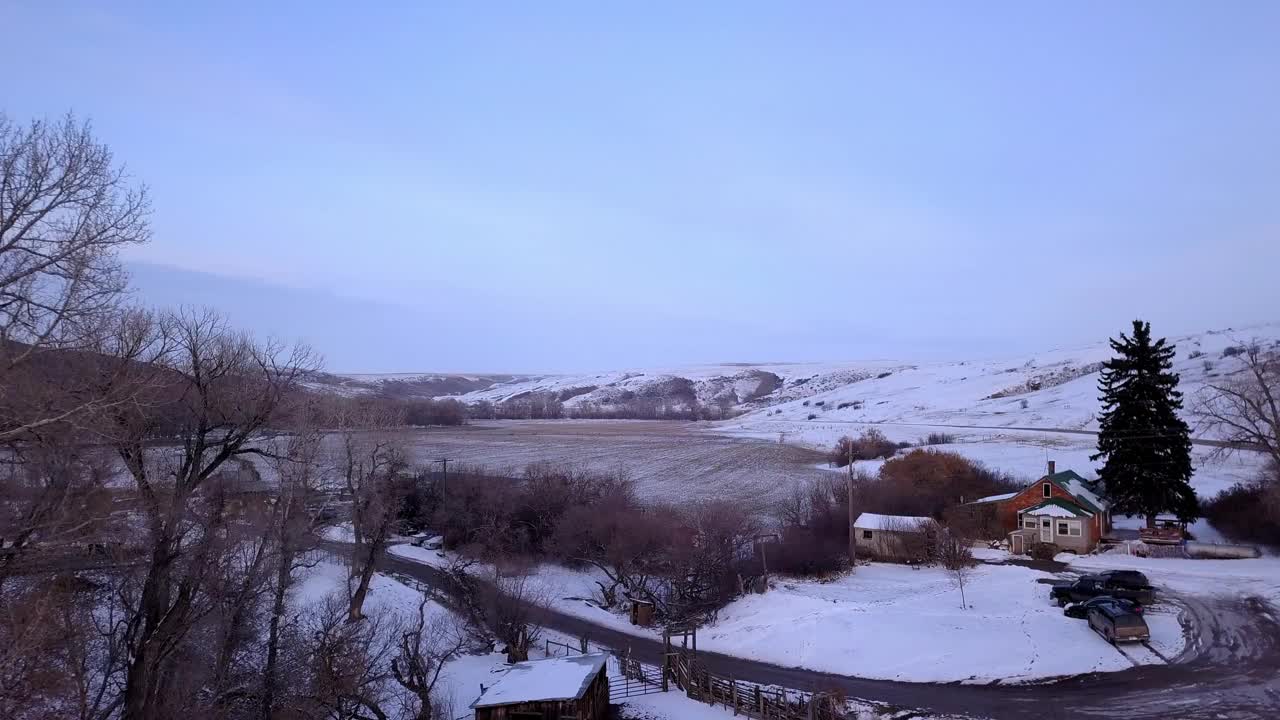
[1131, 579]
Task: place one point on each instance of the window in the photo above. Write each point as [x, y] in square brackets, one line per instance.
[1029, 523]
[866, 534]
[1044, 522]
[1069, 527]
[1048, 490]
[1062, 528]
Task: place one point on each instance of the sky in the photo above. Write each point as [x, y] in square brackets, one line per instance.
[569, 186]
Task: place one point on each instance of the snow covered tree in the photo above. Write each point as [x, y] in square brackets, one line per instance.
[1145, 444]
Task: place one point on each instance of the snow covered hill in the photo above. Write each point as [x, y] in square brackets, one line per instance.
[1055, 389]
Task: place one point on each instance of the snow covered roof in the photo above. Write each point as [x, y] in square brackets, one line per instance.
[994, 498]
[872, 521]
[1053, 507]
[565, 678]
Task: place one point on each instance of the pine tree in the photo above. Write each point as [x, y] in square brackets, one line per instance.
[1146, 445]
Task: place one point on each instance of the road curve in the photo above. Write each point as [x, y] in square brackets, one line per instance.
[1230, 670]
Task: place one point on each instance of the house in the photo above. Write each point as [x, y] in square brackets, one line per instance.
[567, 688]
[1061, 508]
[893, 537]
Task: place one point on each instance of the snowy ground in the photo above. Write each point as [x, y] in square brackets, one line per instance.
[888, 621]
[892, 622]
[463, 676]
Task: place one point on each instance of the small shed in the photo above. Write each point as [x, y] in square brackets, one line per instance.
[641, 612]
[567, 688]
[892, 537]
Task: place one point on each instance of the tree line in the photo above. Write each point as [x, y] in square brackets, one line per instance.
[164, 483]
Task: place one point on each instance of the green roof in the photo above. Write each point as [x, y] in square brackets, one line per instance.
[1063, 480]
[1071, 507]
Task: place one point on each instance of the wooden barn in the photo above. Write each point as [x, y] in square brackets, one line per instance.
[568, 688]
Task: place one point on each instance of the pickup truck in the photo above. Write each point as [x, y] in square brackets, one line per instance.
[1091, 587]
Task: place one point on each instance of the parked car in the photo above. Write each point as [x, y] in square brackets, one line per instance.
[1089, 587]
[1080, 610]
[1131, 579]
[429, 541]
[1117, 624]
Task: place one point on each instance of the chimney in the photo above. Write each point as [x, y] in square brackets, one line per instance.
[1052, 467]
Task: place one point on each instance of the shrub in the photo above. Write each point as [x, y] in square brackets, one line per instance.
[805, 403]
[843, 405]
[883, 375]
[1208, 366]
[939, 438]
[812, 416]
[1023, 403]
[1233, 351]
[820, 403]
[870, 445]
[1247, 512]
[1194, 354]
[929, 482]
[1044, 551]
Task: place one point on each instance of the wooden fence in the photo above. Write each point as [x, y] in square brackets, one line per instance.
[752, 700]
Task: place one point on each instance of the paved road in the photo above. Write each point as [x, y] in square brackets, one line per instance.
[1230, 670]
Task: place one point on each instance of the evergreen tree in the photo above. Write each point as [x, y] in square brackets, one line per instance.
[1146, 445]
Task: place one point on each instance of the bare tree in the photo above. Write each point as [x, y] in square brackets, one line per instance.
[66, 209]
[1245, 405]
[219, 392]
[954, 552]
[515, 611]
[297, 516]
[374, 470]
[348, 665]
[424, 647]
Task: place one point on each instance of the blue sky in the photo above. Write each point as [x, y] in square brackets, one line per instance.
[540, 186]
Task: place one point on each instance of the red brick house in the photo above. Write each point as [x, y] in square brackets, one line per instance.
[1061, 508]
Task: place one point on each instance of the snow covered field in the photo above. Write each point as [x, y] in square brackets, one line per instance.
[892, 622]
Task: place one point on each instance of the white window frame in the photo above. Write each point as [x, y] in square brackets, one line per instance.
[1029, 523]
[1074, 528]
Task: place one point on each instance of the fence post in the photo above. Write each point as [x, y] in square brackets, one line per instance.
[733, 685]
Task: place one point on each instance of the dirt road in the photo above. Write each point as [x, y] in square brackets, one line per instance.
[1230, 670]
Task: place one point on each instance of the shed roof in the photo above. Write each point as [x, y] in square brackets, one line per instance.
[872, 521]
[1056, 507]
[565, 678]
[993, 498]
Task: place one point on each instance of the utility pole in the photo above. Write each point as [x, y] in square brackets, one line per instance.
[853, 540]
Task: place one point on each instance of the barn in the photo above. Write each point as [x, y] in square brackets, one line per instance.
[567, 688]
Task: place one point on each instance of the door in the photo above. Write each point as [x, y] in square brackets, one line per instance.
[1046, 530]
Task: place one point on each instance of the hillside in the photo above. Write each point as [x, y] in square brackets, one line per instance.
[1055, 389]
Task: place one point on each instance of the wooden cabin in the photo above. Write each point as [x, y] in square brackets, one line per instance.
[567, 688]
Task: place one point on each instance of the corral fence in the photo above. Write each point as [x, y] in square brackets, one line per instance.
[681, 669]
[750, 699]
